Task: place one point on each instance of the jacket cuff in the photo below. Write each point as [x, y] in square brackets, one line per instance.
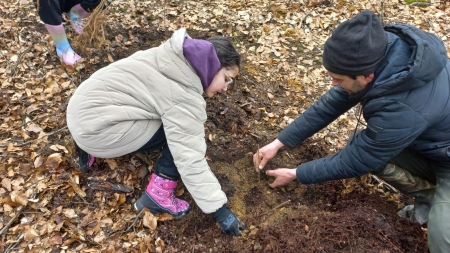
[221, 213]
[284, 138]
[301, 177]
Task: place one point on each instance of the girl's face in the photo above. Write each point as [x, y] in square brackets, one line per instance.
[223, 78]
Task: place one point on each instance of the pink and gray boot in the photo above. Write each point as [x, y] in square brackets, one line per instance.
[159, 198]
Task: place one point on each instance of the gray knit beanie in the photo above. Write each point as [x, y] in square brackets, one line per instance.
[356, 46]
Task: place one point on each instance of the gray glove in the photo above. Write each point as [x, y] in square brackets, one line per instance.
[229, 222]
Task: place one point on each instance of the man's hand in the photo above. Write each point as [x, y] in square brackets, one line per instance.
[266, 153]
[229, 222]
[282, 176]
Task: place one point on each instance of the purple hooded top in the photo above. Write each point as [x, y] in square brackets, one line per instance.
[203, 58]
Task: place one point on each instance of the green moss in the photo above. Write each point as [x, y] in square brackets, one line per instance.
[416, 1]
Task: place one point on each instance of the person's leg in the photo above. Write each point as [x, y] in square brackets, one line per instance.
[414, 176]
[165, 166]
[80, 11]
[85, 160]
[89, 5]
[409, 172]
[50, 13]
[439, 218]
[80, 158]
[416, 164]
[63, 48]
[159, 195]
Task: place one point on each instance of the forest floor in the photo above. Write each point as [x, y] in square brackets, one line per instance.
[46, 205]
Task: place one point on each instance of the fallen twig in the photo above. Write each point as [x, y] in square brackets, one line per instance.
[391, 242]
[135, 220]
[6, 59]
[380, 181]
[254, 135]
[271, 210]
[13, 246]
[11, 221]
[24, 124]
[84, 203]
[103, 185]
[19, 212]
[54, 132]
[70, 78]
[13, 71]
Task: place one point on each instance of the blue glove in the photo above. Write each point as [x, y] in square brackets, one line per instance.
[229, 222]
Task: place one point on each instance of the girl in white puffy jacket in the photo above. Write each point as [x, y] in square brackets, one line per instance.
[153, 99]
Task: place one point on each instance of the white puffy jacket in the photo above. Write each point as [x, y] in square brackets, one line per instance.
[121, 106]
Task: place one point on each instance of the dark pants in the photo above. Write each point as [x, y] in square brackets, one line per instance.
[50, 10]
[439, 216]
[165, 165]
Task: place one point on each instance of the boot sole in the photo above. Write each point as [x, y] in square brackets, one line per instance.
[157, 212]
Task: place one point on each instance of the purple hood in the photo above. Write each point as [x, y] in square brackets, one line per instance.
[203, 58]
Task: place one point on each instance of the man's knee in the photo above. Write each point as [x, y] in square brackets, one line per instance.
[403, 180]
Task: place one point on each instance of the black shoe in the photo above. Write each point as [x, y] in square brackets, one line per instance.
[80, 159]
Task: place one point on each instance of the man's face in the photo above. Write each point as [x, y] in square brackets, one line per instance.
[350, 85]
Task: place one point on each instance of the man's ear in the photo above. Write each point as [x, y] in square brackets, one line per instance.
[369, 77]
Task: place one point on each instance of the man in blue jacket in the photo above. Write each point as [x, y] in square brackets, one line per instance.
[401, 76]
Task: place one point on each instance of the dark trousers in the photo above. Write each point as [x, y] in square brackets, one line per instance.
[50, 10]
[439, 216]
[165, 165]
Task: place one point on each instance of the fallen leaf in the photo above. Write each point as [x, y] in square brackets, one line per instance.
[112, 163]
[160, 243]
[179, 192]
[150, 221]
[76, 188]
[70, 213]
[38, 162]
[6, 183]
[165, 216]
[55, 239]
[100, 237]
[30, 234]
[19, 198]
[110, 58]
[68, 242]
[53, 162]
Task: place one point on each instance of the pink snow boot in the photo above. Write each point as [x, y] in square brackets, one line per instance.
[159, 198]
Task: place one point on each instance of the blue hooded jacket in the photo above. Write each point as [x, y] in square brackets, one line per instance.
[407, 105]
